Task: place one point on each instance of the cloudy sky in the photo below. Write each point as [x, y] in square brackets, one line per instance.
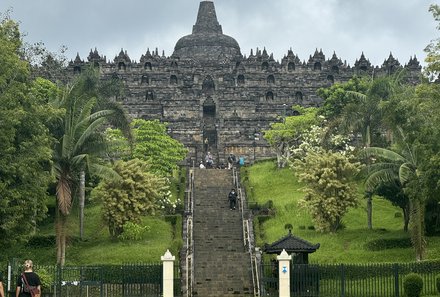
[348, 27]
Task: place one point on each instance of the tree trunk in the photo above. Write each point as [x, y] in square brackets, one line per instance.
[82, 195]
[405, 217]
[61, 238]
[370, 210]
[417, 228]
[58, 234]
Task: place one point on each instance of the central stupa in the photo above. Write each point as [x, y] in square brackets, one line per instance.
[207, 41]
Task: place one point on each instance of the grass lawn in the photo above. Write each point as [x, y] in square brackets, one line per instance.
[265, 182]
[97, 246]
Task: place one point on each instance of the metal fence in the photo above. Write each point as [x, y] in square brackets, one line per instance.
[128, 280]
[354, 280]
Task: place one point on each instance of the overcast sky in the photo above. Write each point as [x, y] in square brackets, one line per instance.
[348, 27]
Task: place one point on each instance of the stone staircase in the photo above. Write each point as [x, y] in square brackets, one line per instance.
[221, 265]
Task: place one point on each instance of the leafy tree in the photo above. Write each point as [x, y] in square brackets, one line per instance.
[433, 49]
[282, 136]
[330, 192]
[152, 144]
[24, 141]
[336, 97]
[131, 197]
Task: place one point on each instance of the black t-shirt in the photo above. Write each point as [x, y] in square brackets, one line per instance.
[33, 280]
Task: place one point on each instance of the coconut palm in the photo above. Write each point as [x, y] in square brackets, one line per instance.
[80, 144]
[390, 166]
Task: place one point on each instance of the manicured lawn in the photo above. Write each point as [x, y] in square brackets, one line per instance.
[265, 182]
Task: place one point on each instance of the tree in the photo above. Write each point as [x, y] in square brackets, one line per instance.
[403, 166]
[330, 192]
[363, 116]
[281, 136]
[131, 197]
[80, 144]
[24, 142]
[336, 97]
[393, 192]
[433, 49]
[152, 144]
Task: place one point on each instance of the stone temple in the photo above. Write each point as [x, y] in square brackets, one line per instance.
[208, 90]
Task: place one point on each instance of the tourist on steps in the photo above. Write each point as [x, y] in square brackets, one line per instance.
[232, 199]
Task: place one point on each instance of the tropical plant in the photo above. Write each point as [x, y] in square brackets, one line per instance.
[80, 144]
[364, 116]
[389, 166]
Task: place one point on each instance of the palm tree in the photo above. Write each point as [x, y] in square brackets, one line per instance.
[364, 116]
[80, 144]
[391, 166]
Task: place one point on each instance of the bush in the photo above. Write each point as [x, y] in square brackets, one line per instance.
[46, 278]
[388, 243]
[412, 285]
[134, 231]
[437, 283]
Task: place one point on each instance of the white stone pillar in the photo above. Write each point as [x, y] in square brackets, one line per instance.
[284, 273]
[168, 274]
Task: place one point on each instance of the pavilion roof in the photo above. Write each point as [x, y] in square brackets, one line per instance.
[292, 244]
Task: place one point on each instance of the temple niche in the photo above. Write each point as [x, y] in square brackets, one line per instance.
[207, 89]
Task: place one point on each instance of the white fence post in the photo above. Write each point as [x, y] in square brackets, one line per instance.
[168, 274]
[284, 273]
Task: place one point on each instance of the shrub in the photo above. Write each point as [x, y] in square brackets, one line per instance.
[388, 243]
[413, 285]
[302, 227]
[437, 283]
[398, 214]
[311, 227]
[133, 231]
[46, 278]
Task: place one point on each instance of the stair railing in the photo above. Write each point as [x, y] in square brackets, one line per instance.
[247, 226]
[189, 238]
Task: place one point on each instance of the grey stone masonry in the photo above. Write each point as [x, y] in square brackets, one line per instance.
[221, 265]
[208, 89]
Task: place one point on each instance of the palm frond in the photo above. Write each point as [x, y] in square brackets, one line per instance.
[104, 172]
[379, 177]
[64, 195]
[86, 110]
[406, 173]
[87, 133]
[378, 152]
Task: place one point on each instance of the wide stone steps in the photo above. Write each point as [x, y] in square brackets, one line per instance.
[221, 265]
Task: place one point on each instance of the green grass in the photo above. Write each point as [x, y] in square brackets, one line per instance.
[98, 247]
[265, 182]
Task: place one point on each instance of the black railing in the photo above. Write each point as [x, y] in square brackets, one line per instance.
[101, 281]
[349, 280]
